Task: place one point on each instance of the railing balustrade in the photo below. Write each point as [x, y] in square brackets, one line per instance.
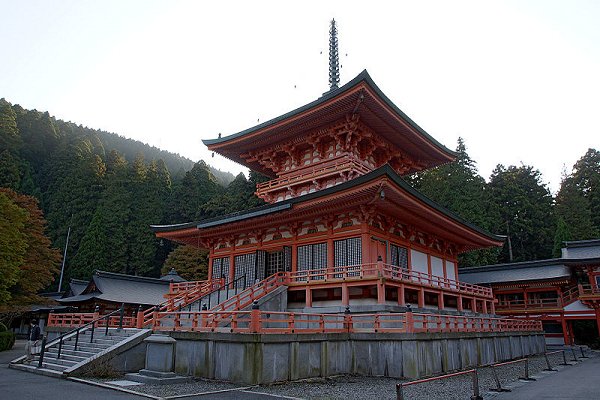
[276, 322]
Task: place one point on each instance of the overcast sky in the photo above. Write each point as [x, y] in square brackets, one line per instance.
[518, 80]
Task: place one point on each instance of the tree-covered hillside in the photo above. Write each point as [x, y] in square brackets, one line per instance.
[105, 188]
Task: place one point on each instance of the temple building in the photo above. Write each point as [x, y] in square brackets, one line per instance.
[338, 206]
[559, 292]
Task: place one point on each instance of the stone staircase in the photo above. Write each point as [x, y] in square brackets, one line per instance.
[74, 359]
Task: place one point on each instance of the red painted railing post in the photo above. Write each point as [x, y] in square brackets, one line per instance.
[139, 318]
[379, 266]
[410, 323]
[255, 318]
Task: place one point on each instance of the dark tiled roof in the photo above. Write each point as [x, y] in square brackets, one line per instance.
[363, 76]
[77, 286]
[120, 288]
[385, 170]
[525, 271]
[582, 243]
[514, 273]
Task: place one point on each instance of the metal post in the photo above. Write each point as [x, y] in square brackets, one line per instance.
[92, 332]
[498, 387]
[76, 338]
[476, 395]
[106, 319]
[565, 358]
[582, 353]
[121, 314]
[574, 355]
[527, 377]
[60, 342]
[399, 393]
[42, 351]
[549, 367]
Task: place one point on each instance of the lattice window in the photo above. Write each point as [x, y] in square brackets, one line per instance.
[261, 261]
[399, 256]
[275, 262]
[312, 257]
[245, 264]
[220, 268]
[348, 252]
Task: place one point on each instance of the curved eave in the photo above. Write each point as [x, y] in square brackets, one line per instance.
[229, 146]
[473, 236]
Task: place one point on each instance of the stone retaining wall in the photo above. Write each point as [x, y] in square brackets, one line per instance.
[255, 358]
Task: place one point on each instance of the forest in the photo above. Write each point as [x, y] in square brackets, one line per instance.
[103, 191]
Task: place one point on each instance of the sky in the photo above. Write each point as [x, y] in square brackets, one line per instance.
[519, 80]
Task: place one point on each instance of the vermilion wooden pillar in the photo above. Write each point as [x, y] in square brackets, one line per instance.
[380, 292]
[421, 298]
[345, 295]
[401, 300]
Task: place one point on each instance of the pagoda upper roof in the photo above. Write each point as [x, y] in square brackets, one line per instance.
[399, 197]
[362, 97]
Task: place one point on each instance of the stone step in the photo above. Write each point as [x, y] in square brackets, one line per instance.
[66, 356]
[70, 352]
[36, 370]
[88, 347]
[54, 361]
[52, 366]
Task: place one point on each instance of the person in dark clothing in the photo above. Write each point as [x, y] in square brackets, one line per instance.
[34, 337]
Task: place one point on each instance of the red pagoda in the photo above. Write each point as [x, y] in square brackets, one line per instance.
[340, 222]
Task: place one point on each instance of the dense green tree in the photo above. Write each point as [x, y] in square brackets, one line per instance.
[190, 263]
[573, 209]
[561, 235]
[586, 181]
[458, 187]
[10, 138]
[197, 187]
[525, 208]
[104, 244]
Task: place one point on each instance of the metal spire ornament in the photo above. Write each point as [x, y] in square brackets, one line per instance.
[334, 60]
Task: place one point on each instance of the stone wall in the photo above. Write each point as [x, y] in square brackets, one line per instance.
[255, 358]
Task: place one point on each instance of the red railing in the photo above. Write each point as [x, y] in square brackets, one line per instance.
[180, 299]
[73, 320]
[387, 271]
[272, 322]
[534, 304]
[321, 170]
[176, 288]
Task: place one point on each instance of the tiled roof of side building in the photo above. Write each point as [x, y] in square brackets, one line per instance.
[385, 170]
[523, 271]
[121, 288]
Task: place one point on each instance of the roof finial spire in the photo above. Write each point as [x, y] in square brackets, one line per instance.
[334, 61]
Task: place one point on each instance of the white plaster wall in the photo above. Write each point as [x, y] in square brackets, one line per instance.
[437, 267]
[418, 261]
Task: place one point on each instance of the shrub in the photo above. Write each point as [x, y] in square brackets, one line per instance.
[3, 327]
[7, 340]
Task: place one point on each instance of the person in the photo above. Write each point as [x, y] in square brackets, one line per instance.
[34, 337]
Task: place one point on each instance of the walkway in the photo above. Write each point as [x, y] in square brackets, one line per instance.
[580, 381]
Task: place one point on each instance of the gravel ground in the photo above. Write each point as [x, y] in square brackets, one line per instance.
[358, 387]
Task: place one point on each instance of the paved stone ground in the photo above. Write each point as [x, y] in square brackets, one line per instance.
[579, 381]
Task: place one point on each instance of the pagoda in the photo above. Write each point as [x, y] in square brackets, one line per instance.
[340, 220]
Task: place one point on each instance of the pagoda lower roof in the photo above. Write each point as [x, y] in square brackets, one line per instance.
[399, 198]
[362, 97]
